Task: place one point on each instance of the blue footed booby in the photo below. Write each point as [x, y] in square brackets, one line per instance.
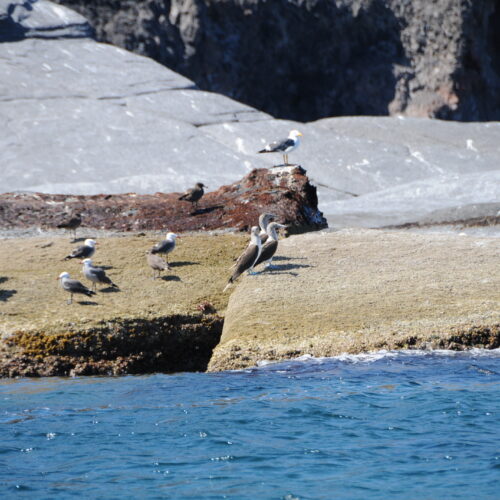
[83, 251]
[194, 194]
[166, 246]
[96, 274]
[264, 220]
[247, 259]
[73, 286]
[270, 246]
[284, 146]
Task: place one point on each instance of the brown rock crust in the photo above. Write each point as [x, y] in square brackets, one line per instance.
[285, 192]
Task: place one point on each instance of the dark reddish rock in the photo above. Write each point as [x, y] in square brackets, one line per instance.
[287, 193]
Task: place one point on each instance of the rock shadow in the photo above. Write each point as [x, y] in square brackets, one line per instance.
[5, 295]
[170, 278]
[206, 210]
[182, 263]
[287, 267]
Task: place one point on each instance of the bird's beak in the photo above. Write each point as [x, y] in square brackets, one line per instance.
[300, 133]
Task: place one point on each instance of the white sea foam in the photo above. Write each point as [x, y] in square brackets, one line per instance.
[373, 356]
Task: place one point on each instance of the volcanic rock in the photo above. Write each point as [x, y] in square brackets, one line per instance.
[285, 192]
[310, 59]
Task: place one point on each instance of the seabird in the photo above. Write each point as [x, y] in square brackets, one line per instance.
[71, 224]
[284, 146]
[73, 286]
[247, 259]
[271, 245]
[264, 220]
[83, 251]
[96, 274]
[157, 264]
[166, 246]
[194, 194]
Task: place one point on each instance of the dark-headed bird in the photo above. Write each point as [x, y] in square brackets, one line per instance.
[270, 246]
[71, 224]
[83, 251]
[73, 286]
[157, 264]
[166, 246]
[194, 194]
[284, 146]
[247, 259]
[264, 221]
[96, 274]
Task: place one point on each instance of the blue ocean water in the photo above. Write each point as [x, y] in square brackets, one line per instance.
[409, 425]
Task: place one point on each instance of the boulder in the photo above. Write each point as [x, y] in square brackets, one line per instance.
[285, 192]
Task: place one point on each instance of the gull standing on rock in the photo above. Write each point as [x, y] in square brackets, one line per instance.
[83, 251]
[166, 246]
[247, 259]
[71, 224]
[270, 246]
[284, 146]
[194, 194]
[96, 274]
[73, 286]
[264, 221]
[156, 263]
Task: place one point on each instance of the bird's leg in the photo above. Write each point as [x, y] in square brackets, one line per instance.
[269, 264]
[70, 300]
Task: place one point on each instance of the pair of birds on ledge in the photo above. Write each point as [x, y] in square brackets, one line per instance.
[261, 249]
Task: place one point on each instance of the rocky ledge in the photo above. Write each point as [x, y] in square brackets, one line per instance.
[357, 290]
[286, 192]
[330, 292]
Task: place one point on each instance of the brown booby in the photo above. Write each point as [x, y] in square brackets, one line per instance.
[71, 224]
[247, 259]
[270, 246]
[83, 251]
[194, 194]
[284, 146]
[156, 263]
[73, 286]
[166, 246]
[96, 274]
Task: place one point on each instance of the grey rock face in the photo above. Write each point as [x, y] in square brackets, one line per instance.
[82, 117]
[310, 59]
[21, 19]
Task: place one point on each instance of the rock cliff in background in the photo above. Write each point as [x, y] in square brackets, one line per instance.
[307, 59]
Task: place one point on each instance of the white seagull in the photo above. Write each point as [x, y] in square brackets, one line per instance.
[96, 274]
[73, 286]
[166, 246]
[284, 146]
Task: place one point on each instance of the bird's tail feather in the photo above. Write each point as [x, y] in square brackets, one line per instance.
[229, 284]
